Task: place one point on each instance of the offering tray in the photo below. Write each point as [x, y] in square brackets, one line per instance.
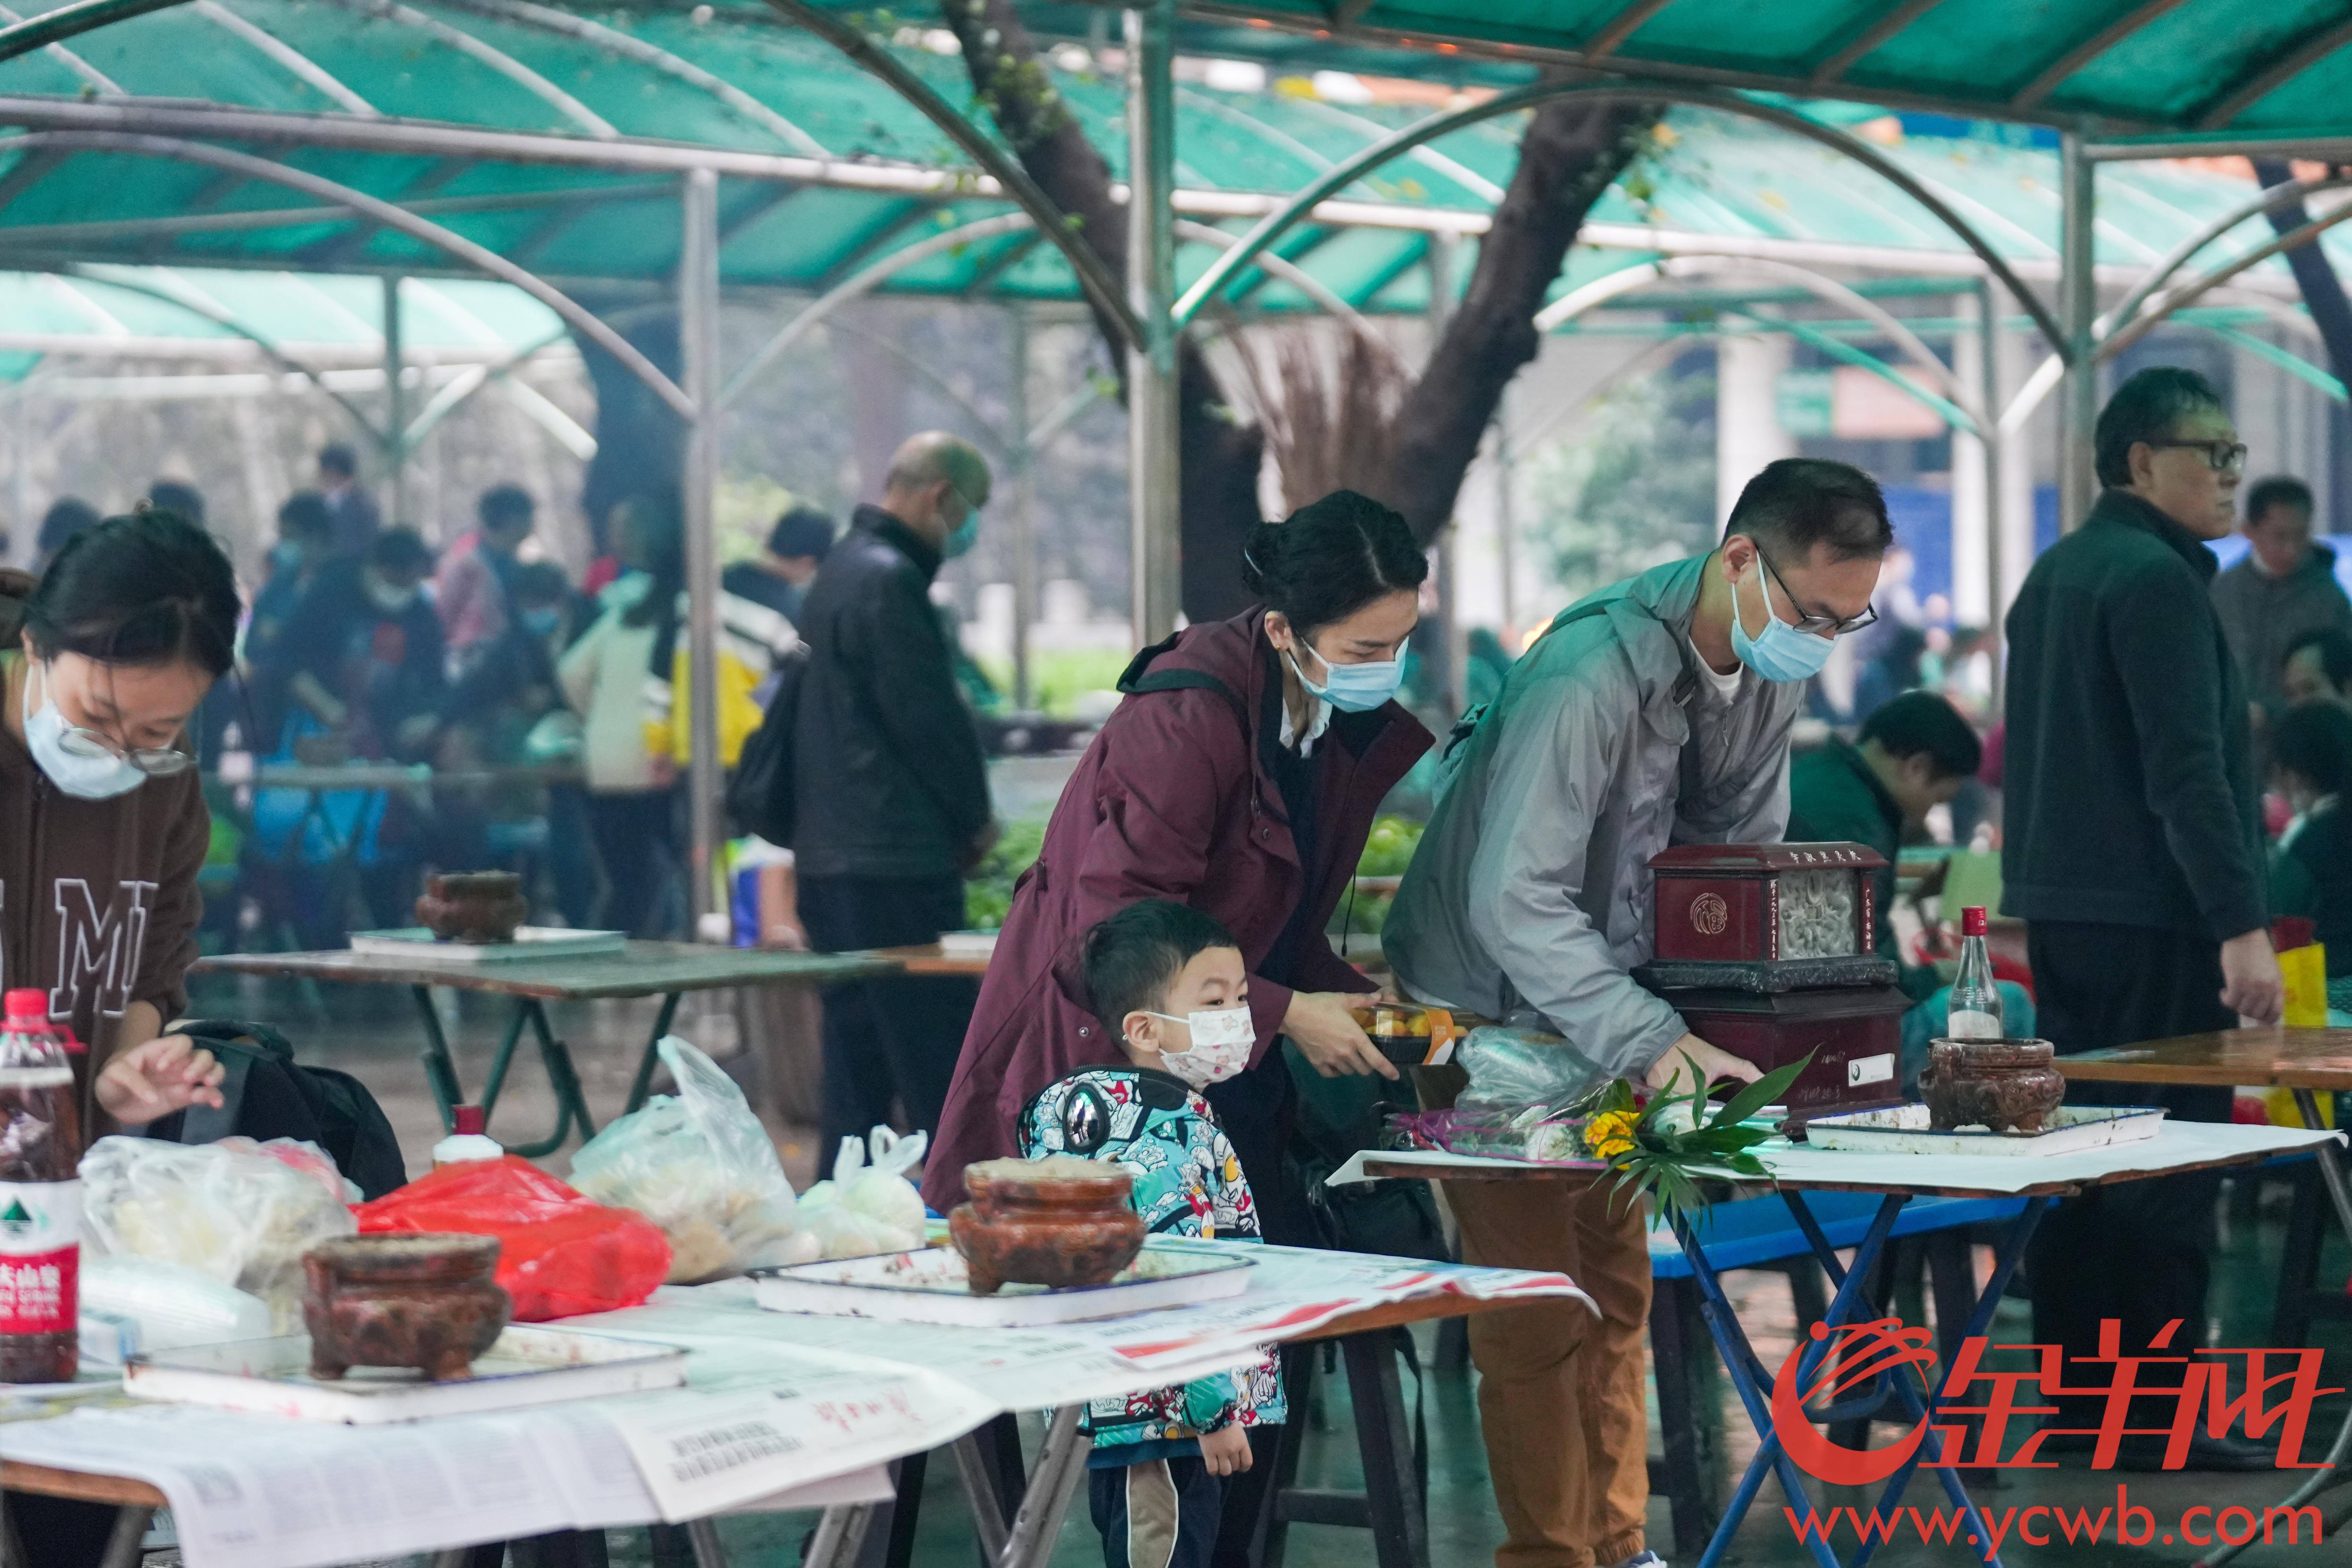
[525, 1366]
[530, 942]
[933, 1287]
[1903, 1129]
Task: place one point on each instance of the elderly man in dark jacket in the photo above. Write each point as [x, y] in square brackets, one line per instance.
[2132, 849]
[892, 789]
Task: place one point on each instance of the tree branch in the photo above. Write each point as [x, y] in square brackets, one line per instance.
[1218, 457]
[1570, 154]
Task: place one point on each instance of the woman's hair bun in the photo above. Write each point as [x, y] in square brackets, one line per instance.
[1331, 558]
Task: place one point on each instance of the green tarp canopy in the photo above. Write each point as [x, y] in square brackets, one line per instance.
[555, 138]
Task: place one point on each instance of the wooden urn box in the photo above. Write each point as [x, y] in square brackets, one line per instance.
[1766, 952]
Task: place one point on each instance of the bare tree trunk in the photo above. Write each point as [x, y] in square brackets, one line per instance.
[1569, 154]
[1219, 456]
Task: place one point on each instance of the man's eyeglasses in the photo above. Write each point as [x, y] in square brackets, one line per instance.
[2221, 457]
[1819, 626]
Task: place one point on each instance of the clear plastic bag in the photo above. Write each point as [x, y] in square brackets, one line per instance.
[700, 1166]
[239, 1212]
[870, 1204]
[1515, 1068]
[140, 1305]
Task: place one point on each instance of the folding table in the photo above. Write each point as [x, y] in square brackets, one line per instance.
[664, 969]
[1795, 1171]
[2303, 1061]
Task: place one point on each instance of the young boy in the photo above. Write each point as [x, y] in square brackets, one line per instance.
[1170, 982]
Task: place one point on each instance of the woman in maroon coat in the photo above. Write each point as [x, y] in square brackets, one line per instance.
[1240, 776]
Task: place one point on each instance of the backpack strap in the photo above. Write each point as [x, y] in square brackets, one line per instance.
[1468, 725]
[1139, 677]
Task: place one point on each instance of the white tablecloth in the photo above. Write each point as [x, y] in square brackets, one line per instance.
[2178, 1145]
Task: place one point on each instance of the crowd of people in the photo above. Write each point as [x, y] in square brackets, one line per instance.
[1174, 927]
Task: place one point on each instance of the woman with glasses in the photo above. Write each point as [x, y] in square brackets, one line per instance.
[102, 824]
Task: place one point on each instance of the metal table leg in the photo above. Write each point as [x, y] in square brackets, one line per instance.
[440, 1071]
[643, 1082]
[129, 1529]
[1028, 1542]
[2338, 1464]
[1750, 1378]
[562, 1078]
[1395, 1490]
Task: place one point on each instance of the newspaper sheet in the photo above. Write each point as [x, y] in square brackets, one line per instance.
[754, 1429]
[775, 1402]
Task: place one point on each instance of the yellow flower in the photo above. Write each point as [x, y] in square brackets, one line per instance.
[1610, 1134]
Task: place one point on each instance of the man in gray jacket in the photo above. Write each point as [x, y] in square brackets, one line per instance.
[1655, 713]
[2284, 590]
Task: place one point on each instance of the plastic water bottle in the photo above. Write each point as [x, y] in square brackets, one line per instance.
[1976, 999]
[40, 1197]
[466, 1140]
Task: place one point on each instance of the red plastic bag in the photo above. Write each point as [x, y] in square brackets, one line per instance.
[559, 1255]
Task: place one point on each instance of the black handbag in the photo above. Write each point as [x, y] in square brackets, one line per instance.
[761, 795]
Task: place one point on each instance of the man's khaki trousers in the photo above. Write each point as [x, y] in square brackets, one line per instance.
[1559, 1392]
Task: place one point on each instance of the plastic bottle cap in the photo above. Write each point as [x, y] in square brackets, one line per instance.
[28, 1003]
[467, 1120]
[1972, 920]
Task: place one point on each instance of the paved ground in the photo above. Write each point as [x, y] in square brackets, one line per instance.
[373, 1034]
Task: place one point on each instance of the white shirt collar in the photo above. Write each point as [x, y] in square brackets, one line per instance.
[1304, 744]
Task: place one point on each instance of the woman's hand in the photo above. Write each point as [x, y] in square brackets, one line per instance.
[1329, 1036]
[157, 1078]
[1690, 1053]
[1226, 1450]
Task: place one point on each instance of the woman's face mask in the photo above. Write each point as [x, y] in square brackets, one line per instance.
[1350, 687]
[149, 705]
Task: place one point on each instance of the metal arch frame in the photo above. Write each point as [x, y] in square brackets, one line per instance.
[1336, 179]
[98, 80]
[482, 52]
[880, 270]
[226, 319]
[71, 21]
[1105, 293]
[385, 212]
[2125, 333]
[522, 14]
[2174, 260]
[280, 53]
[1957, 407]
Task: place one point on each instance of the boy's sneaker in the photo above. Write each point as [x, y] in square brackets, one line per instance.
[1644, 1559]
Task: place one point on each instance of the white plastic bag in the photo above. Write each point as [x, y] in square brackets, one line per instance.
[239, 1212]
[701, 1167]
[871, 1204]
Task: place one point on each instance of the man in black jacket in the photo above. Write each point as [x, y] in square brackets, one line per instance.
[892, 789]
[2132, 849]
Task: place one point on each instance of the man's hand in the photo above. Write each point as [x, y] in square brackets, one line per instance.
[1690, 1054]
[2250, 982]
[1226, 1450]
[1329, 1036]
[157, 1078]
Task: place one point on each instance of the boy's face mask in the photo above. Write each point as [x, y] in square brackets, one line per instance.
[1223, 1039]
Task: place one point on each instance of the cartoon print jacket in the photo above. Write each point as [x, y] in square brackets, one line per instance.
[1187, 1183]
